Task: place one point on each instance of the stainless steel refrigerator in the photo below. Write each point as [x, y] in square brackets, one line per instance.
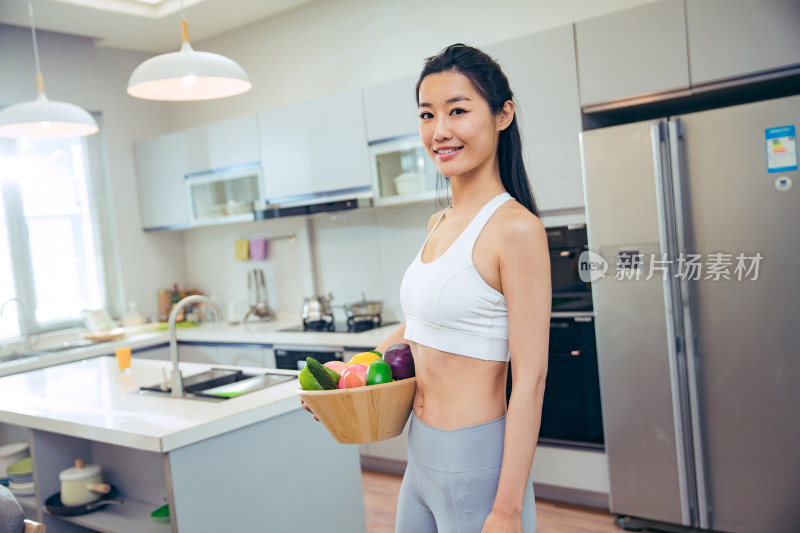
[699, 371]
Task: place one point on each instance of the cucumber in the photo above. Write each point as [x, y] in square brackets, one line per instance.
[333, 373]
[320, 373]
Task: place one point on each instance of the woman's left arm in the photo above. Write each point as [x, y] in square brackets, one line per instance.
[525, 279]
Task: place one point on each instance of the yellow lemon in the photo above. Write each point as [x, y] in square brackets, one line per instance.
[364, 358]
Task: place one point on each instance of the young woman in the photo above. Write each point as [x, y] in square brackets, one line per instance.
[476, 297]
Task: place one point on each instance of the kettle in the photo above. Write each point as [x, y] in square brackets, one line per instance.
[317, 307]
[82, 484]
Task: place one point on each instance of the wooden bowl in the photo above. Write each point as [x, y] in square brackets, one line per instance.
[363, 414]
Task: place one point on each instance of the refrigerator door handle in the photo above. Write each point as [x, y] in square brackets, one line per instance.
[677, 154]
[675, 338]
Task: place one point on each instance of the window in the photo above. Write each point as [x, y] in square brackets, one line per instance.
[58, 258]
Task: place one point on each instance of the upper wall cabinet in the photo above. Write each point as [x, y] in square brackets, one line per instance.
[338, 143]
[315, 148]
[391, 109]
[160, 172]
[285, 153]
[222, 144]
[542, 74]
[730, 38]
[635, 52]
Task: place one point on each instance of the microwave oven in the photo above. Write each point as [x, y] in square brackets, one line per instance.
[566, 243]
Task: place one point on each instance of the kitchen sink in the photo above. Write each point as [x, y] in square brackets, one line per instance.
[219, 384]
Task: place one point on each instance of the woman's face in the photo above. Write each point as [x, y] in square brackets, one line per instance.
[456, 125]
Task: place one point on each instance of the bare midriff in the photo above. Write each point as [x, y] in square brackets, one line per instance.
[454, 391]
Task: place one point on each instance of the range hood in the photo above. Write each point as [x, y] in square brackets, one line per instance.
[324, 202]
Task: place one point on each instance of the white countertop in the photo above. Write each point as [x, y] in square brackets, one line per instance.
[94, 400]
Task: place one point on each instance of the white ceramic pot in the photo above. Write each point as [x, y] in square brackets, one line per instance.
[82, 484]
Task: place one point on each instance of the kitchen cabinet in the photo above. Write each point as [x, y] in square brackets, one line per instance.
[160, 178]
[159, 352]
[338, 142]
[542, 73]
[223, 196]
[285, 153]
[401, 170]
[389, 455]
[315, 148]
[633, 52]
[391, 109]
[222, 144]
[730, 38]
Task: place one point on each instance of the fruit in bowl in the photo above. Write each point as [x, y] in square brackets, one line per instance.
[364, 358]
[354, 375]
[363, 414]
[401, 361]
[379, 372]
[336, 365]
[370, 403]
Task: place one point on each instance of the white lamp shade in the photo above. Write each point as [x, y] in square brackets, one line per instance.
[188, 75]
[46, 118]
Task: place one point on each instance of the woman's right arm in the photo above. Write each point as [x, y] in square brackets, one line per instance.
[395, 337]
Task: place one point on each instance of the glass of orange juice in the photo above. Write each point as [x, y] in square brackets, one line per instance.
[123, 358]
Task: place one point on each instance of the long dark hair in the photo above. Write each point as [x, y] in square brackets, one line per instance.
[488, 79]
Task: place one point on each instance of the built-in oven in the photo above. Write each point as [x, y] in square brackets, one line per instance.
[293, 357]
[571, 412]
[566, 244]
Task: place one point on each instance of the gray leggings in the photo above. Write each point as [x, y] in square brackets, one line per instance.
[451, 479]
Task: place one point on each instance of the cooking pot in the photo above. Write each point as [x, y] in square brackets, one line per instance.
[363, 308]
[82, 484]
[317, 307]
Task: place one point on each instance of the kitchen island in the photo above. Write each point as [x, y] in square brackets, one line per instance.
[256, 462]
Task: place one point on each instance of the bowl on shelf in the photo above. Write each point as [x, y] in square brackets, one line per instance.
[408, 183]
[234, 207]
[363, 414]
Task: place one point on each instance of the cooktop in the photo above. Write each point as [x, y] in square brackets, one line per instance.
[339, 326]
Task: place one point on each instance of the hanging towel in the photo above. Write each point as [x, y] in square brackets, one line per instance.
[259, 249]
[242, 250]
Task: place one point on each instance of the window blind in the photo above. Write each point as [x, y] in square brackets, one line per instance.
[59, 257]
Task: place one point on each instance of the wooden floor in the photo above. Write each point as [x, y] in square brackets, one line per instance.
[380, 500]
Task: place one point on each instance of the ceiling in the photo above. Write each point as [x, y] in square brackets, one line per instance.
[143, 25]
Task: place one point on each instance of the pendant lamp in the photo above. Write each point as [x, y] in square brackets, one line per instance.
[188, 75]
[43, 117]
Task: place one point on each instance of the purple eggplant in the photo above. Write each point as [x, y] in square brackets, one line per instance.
[400, 360]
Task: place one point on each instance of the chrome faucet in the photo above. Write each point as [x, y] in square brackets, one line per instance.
[177, 378]
[23, 328]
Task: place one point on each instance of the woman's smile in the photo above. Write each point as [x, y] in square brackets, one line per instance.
[444, 153]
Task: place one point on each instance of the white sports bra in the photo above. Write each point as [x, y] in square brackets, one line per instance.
[449, 306]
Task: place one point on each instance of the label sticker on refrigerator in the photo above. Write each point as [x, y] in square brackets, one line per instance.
[781, 149]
